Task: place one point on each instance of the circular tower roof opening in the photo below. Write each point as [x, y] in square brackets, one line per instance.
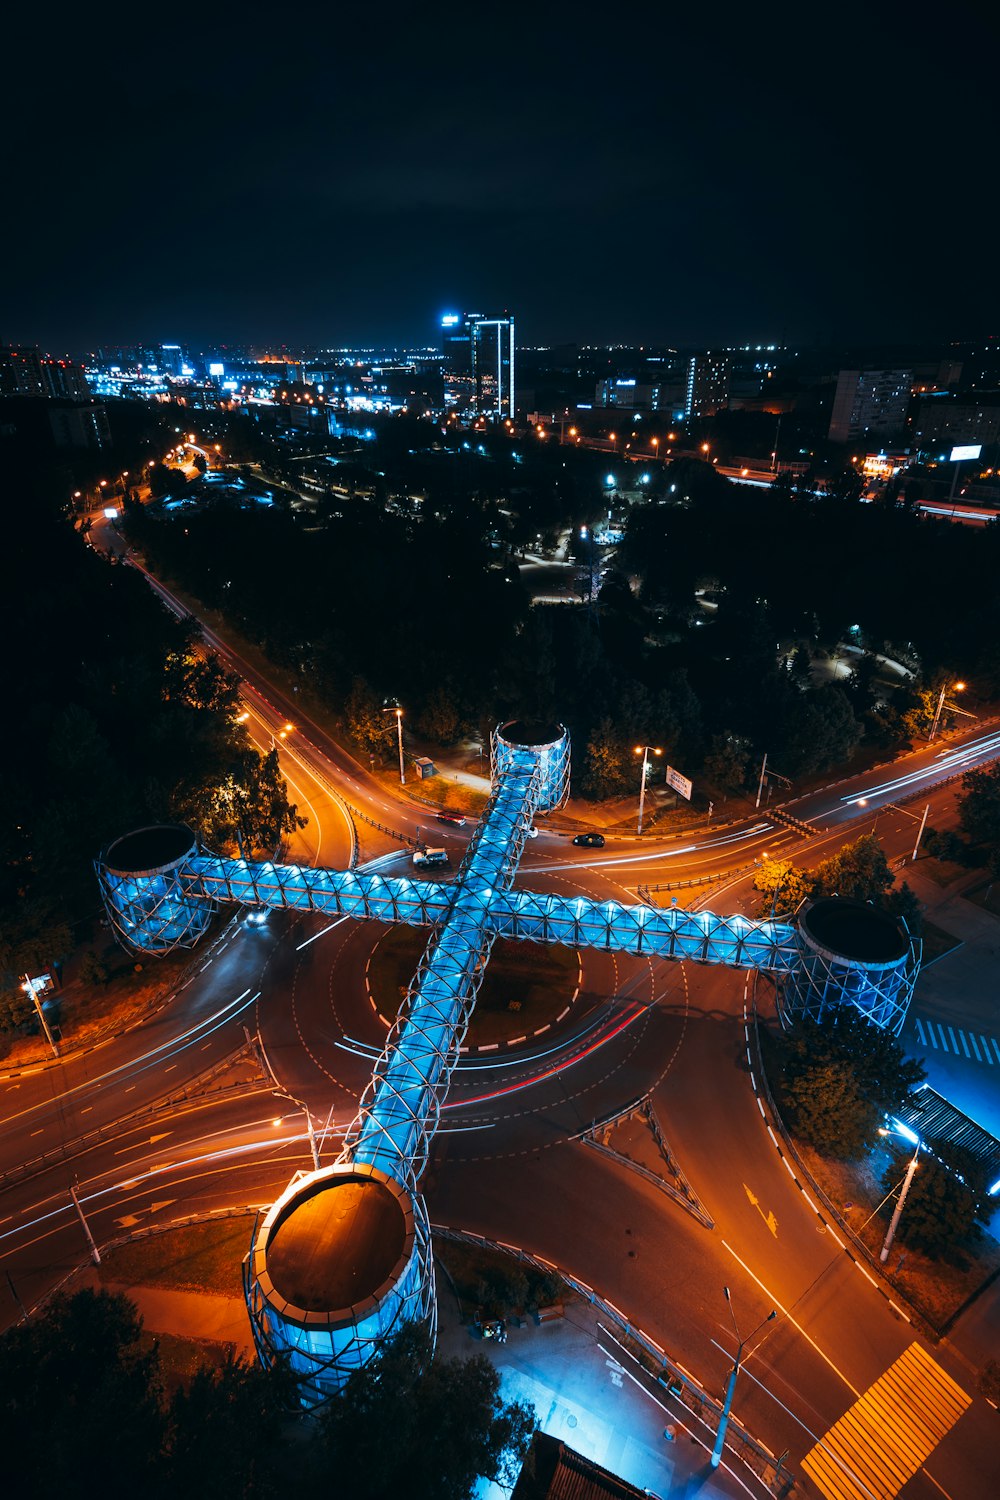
[337, 1243]
[148, 850]
[854, 931]
[532, 732]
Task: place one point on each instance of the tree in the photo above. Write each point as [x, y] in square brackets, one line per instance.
[820, 730]
[783, 886]
[608, 767]
[502, 1291]
[979, 805]
[225, 1432]
[250, 806]
[859, 870]
[800, 667]
[439, 718]
[405, 1426]
[79, 1402]
[93, 969]
[842, 1077]
[830, 1112]
[367, 725]
[727, 761]
[948, 1202]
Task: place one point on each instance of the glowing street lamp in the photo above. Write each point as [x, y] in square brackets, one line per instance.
[863, 802]
[399, 736]
[897, 1212]
[644, 750]
[954, 687]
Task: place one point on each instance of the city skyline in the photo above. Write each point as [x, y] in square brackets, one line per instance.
[344, 184]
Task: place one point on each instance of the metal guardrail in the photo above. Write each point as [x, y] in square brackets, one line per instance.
[645, 891]
[658, 1364]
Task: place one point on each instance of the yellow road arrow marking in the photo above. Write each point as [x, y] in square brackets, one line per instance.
[768, 1218]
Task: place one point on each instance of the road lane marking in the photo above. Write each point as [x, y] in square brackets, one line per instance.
[920, 1034]
[884, 1438]
[795, 1324]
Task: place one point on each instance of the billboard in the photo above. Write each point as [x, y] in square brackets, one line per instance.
[959, 455]
[680, 783]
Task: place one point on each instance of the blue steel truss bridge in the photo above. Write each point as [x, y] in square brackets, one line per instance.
[343, 1257]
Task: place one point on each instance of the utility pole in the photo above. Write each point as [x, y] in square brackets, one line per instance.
[399, 736]
[95, 1254]
[760, 784]
[29, 986]
[956, 687]
[920, 832]
[894, 1221]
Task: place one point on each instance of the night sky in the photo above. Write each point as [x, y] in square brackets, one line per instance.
[329, 175]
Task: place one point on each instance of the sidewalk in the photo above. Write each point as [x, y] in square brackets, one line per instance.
[188, 1315]
[586, 1390]
[589, 1393]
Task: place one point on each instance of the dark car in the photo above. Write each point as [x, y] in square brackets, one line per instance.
[452, 817]
[590, 840]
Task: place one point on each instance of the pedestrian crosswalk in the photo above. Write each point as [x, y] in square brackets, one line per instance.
[970, 1044]
[883, 1439]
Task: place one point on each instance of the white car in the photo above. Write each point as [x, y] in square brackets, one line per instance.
[431, 857]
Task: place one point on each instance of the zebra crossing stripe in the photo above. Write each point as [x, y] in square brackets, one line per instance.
[883, 1439]
[932, 1034]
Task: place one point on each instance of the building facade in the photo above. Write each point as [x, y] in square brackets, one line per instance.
[478, 364]
[870, 401]
[707, 389]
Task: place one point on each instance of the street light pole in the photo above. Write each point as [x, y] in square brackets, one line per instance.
[644, 750]
[920, 832]
[720, 1437]
[894, 1221]
[41, 1015]
[956, 687]
[399, 735]
[760, 784]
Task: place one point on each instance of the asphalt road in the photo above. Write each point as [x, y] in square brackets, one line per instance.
[187, 1125]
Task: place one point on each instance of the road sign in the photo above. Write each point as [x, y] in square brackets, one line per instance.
[679, 783]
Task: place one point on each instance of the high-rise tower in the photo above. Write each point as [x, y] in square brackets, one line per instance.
[479, 364]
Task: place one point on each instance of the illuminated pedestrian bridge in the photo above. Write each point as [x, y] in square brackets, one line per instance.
[344, 1256]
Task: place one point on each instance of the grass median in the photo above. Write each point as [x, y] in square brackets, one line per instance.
[526, 985]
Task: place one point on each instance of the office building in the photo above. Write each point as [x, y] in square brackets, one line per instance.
[870, 401]
[478, 360]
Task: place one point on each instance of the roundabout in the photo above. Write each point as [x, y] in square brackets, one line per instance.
[524, 993]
